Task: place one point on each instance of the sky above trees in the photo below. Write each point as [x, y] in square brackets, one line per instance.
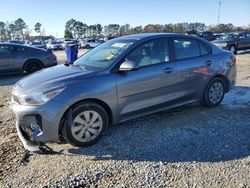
[54, 14]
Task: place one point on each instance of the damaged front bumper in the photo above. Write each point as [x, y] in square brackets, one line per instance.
[38, 124]
[33, 146]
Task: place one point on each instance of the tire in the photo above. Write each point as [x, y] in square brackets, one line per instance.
[81, 132]
[33, 66]
[214, 93]
[233, 49]
[87, 46]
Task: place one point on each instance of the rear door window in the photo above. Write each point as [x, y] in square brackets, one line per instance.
[205, 49]
[186, 48]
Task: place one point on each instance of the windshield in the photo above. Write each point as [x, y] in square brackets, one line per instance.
[227, 37]
[105, 54]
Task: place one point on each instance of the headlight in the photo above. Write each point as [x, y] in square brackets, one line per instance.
[221, 44]
[40, 97]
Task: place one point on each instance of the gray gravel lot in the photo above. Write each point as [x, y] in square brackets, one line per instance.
[189, 146]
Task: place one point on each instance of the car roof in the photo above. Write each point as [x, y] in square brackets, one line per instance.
[153, 35]
[21, 45]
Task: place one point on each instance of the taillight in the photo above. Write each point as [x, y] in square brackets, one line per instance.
[233, 58]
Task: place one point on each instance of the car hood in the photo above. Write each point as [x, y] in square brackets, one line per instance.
[55, 75]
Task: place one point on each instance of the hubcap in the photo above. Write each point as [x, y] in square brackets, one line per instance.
[87, 126]
[216, 92]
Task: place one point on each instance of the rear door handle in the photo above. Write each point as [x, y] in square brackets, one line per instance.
[209, 62]
[169, 70]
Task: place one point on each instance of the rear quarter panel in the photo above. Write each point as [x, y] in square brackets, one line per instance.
[226, 67]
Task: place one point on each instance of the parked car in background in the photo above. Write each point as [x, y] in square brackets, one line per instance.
[15, 58]
[92, 43]
[234, 41]
[81, 42]
[121, 79]
[70, 43]
[218, 35]
[55, 45]
[207, 35]
[37, 44]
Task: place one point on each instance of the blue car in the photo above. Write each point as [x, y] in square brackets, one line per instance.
[121, 79]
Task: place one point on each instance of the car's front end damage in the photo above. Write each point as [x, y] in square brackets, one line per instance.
[37, 124]
[38, 105]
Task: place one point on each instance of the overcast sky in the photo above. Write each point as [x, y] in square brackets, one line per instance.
[53, 14]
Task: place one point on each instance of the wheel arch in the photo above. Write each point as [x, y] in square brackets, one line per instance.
[74, 105]
[30, 60]
[235, 47]
[221, 76]
[224, 78]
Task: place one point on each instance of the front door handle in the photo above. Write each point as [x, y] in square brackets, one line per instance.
[169, 70]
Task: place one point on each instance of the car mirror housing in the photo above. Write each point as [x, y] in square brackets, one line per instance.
[128, 66]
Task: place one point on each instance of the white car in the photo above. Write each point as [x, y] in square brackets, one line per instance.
[55, 45]
[91, 43]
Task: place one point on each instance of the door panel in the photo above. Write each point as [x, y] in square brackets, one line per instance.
[6, 58]
[192, 74]
[194, 65]
[243, 41]
[151, 85]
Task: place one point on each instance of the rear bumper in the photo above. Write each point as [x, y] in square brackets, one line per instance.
[51, 64]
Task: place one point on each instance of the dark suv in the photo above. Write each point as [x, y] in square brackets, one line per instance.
[208, 35]
[234, 42]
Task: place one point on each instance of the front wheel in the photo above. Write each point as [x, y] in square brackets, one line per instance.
[233, 49]
[89, 121]
[214, 93]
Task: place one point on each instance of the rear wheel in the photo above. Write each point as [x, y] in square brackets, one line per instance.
[89, 121]
[214, 93]
[87, 46]
[33, 66]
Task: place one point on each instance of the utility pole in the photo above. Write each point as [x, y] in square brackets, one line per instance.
[219, 13]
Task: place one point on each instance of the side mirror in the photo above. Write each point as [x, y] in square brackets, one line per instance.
[128, 66]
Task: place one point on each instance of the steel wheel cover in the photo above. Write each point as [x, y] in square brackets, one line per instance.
[87, 126]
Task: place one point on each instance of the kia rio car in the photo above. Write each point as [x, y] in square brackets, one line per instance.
[121, 79]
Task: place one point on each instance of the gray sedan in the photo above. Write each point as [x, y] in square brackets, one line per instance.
[121, 79]
[15, 58]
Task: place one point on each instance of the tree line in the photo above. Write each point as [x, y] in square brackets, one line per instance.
[77, 29]
[19, 30]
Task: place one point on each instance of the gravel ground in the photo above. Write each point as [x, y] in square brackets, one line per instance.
[189, 146]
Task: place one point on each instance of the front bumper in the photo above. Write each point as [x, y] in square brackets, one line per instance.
[36, 124]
